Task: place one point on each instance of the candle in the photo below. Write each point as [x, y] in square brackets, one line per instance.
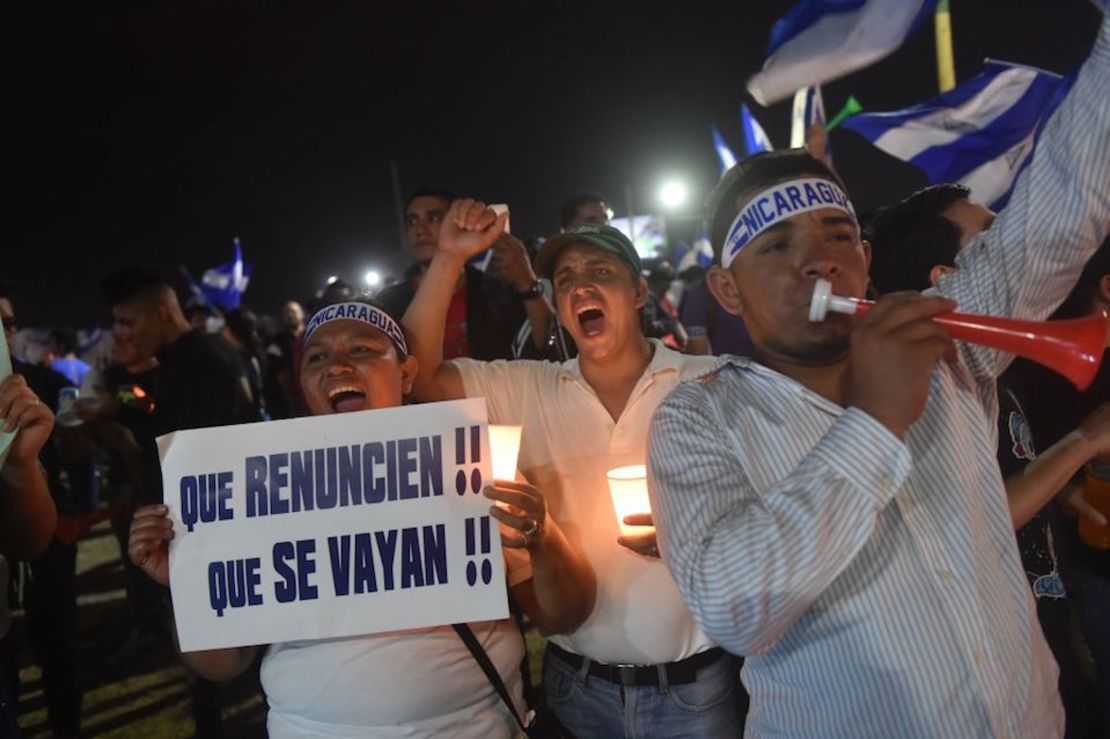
[628, 487]
[504, 442]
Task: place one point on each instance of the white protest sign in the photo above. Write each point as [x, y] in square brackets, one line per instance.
[353, 523]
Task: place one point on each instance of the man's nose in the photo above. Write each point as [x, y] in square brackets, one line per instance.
[820, 260]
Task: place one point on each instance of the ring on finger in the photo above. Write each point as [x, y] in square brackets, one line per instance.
[530, 532]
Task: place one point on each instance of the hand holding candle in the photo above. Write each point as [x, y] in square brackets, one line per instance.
[522, 509]
[628, 488]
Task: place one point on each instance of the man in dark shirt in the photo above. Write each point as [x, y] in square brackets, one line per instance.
[201, 382]
[282, 394]
[488, 306]
[50, 596]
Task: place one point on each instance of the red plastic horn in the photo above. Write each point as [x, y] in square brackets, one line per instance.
[1072, 348]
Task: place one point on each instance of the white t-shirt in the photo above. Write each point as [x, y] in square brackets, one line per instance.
[412, 683]
[568, 443]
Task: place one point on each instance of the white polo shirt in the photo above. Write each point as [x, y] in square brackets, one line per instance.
[568, 443]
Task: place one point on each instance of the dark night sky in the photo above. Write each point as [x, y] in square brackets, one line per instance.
[156, 132]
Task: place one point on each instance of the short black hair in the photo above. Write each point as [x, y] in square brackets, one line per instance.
[1082, 297]
[65, 339]
[571, 205]
[7, 289]
[911, 237]
[430, 192]
[243, 325]
[755, 173]
[129, 283]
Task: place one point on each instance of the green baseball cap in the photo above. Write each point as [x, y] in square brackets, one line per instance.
[603, 237]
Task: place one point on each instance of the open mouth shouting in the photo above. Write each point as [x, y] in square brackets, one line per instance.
[346, 398]
[591, 319]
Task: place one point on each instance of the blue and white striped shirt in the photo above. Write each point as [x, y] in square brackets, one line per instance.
[875, 585]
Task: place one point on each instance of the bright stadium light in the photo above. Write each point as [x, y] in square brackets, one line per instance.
[372, 278]
[673, 194]
[333, 279]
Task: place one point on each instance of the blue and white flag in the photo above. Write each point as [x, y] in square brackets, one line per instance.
[224, 285]
[755, 138]
[699, 255]
[980, 134]
[724, 154]
[822, 40]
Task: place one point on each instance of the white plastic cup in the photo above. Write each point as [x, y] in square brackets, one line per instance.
[628, 488]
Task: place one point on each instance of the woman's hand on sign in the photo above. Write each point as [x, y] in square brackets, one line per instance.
[21, 409]
[148, 546]
[470, 228]
[644, 544]
[521, 509]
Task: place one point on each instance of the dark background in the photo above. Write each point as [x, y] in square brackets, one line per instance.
[156, 132]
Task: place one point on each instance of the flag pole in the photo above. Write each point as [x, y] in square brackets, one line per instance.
[946, 70]
[798, 119]
[631, 214]
[398, 203]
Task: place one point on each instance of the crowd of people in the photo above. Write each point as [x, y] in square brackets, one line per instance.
[858, 526]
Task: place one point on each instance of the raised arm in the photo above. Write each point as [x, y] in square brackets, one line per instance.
[468, 229]
[1025, 264]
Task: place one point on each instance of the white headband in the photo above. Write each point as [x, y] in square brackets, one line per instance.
[364, 312]
[776, 204]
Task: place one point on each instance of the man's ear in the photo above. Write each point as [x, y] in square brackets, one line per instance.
[641, 293]
[722, 284]
[409, 368]
[866, 246]
[938, 271]
[1104, 288]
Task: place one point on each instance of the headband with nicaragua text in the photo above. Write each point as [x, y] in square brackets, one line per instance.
[363, 312]
[778, 203]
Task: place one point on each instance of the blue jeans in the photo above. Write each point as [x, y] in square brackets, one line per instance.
[589, 707]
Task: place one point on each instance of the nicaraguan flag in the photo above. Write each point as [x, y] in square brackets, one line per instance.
[755, 138]
[699, 255]
[980, 134]
[724, 154]
[822, 40]
[224, 285]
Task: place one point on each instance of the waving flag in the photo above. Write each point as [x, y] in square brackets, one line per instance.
[822, 40]
[755, 139]
[700, 254]
[724, 154]
[980, 134]
[225, 284]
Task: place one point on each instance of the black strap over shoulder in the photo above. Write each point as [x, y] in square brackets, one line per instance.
[483, 660]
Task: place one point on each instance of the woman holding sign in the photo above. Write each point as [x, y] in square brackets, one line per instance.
[418, 682]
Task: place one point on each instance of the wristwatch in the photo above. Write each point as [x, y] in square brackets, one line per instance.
[533, 292]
